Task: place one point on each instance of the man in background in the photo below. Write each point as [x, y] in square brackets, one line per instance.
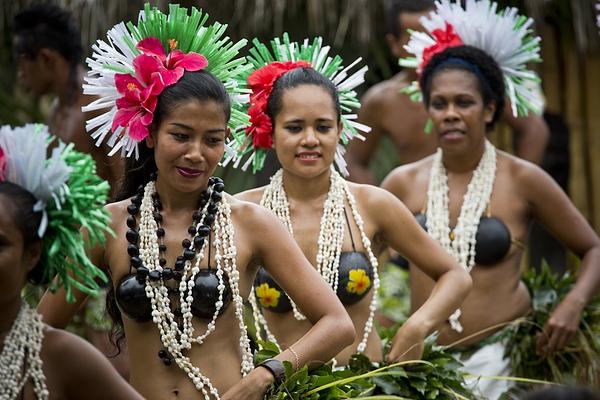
[48, 51]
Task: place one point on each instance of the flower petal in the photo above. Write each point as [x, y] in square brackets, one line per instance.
[189, 62]
[122, 117]
[146, 65]
[152, 46]
[123, 81]
[167, 77]
[137, 130]
[2, 164]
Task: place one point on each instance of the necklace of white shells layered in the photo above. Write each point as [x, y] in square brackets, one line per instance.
[460, 241]
[20, 359]
[175, 338]
[331, 238]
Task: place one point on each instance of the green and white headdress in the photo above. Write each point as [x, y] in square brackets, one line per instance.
[504, 35]
[137, 62]
[70, 195]
[253, 142]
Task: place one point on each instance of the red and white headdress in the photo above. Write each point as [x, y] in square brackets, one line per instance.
[267, 65]
[504, 35]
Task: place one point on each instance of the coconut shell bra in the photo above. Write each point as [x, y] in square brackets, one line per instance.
[354, 281]
[130, 292]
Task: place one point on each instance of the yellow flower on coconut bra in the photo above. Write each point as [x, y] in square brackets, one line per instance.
[268, 296]
[359, 281]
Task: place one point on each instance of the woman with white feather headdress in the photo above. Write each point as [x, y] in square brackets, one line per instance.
[477, 201]
[44, 202]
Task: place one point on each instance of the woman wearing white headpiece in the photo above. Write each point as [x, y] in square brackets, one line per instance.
[299, 106]
[477, 201]
[44, 200]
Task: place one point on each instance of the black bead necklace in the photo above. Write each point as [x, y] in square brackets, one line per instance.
[206, 214]
[209, 200]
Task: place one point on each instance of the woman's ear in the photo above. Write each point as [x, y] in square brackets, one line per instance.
[32, 255]
[340, 130]
[488, 112]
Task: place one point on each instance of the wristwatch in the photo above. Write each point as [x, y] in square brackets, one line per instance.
[276, 368]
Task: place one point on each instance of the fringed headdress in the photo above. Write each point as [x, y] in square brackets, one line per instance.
[268, 65]
[504, 35]
[70, 195]
[137, 62]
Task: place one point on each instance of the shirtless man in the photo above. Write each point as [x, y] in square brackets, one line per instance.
[389, 112]
[47, 44]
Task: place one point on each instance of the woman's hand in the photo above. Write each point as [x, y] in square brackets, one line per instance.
[561, 327]
[252, 387]
[408, 343]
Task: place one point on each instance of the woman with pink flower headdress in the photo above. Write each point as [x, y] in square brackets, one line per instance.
[299, 106]
[185, 252]
[478, 202]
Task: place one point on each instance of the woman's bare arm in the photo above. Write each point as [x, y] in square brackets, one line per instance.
[400, 230]
[551, 206]
[56, 311]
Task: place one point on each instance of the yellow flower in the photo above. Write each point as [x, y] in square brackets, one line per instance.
[268, 296]
[359, 281]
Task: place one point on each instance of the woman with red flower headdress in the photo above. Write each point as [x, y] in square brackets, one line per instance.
[185, 252]
[478, 202]
[300, 110]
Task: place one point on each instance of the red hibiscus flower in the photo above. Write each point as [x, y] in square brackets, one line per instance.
[154, 64]
[136, 108]
[444, 39]
[260, 128]
[261, 83]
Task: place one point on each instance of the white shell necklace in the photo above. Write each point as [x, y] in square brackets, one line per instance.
[331, 238]
[20, 360]
[174, 338]
[460, 242]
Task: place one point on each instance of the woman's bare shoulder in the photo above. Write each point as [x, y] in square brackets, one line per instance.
[252, 195]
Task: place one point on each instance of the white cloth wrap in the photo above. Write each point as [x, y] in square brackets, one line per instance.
[489, 361]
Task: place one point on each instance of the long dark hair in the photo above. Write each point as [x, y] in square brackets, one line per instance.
[200, 86]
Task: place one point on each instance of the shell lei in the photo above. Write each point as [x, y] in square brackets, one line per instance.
[478, 195]
[331, 238]
[20, 360]
[175, 339]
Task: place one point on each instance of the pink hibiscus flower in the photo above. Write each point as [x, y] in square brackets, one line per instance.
[154, 70]
[2, 164]
[154, 64]
[136, 108]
